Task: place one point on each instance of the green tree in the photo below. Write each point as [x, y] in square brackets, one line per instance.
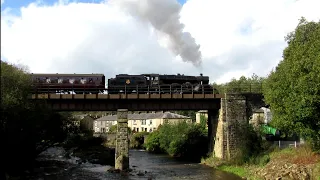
[26, 127]
[244, 84]
[293, 88]
[191, 114]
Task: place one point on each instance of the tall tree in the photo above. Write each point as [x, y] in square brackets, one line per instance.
[26, 127]
[293, 88]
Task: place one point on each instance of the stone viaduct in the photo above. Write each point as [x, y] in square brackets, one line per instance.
[224, 125]
[226, 114]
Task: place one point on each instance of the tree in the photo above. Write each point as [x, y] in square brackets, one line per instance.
[26, 127]
[244, 84]
[293, 89]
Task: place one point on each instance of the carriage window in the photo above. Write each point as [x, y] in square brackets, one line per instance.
[60, 80]
[71, 81]
[156, 78]
[83, 80]
[48, 80]
[90, 80]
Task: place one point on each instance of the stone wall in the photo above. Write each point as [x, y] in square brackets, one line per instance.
[122, 142]
[234, 112]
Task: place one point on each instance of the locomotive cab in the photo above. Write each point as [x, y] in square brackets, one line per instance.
[152, 79]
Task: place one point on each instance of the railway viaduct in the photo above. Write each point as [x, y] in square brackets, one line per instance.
[226, 113]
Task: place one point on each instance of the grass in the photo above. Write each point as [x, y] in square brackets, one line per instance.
[302, 155]
[242, 171]
[238, 170]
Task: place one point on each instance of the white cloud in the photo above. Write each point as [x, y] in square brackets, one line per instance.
[236, 37]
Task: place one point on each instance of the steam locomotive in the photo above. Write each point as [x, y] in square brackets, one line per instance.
[122, 83]
[157, 83]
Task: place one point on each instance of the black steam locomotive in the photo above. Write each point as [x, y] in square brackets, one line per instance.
[157, 83]
[122, 83]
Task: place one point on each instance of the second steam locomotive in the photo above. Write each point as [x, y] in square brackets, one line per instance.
[121, 83]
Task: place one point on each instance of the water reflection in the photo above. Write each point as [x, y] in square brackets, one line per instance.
[144, 166]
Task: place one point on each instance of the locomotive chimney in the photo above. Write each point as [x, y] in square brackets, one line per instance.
[201, 74]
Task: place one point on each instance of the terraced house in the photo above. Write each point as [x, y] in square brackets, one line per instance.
[140, 121]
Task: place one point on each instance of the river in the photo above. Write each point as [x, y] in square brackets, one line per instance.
[53, 165]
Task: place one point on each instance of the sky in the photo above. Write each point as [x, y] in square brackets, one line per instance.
[236, 38]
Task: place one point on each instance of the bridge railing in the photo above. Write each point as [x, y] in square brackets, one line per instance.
[160, 89]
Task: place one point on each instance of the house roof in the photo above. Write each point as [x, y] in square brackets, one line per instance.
[141, 116]
[82, 116]
[203, 111]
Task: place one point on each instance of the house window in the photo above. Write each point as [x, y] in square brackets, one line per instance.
[103, 130]
[145, 129]
[150, 130]
[150, 121]
[143, 122]
[137, 129]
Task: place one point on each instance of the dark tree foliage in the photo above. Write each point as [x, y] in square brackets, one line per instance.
[293, 88]
[26, 128]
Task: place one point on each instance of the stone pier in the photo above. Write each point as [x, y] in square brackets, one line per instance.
[234, 114]
[122, 143]
[212, 122]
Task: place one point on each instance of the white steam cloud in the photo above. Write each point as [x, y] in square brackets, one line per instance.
[164, 16]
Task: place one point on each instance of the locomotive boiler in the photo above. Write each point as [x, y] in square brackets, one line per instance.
[66, 83]
[157, 83]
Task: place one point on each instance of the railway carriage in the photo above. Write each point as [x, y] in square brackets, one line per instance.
[67, 83]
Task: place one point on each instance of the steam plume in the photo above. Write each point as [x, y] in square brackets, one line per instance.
[164, 16]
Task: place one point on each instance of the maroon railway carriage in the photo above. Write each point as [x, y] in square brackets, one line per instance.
[62, 83]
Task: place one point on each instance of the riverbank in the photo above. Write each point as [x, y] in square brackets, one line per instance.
[289, 163]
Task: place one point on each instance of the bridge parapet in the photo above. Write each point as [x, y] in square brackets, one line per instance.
[127, 96]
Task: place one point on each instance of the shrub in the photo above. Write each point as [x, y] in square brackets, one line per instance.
[137, 140]
[184, 140]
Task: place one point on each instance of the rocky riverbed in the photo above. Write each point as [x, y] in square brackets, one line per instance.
[53, 164]
[285, 170]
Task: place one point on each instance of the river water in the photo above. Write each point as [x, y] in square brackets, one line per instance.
[53, 165]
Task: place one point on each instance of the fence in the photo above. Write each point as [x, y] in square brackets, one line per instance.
[157, 89]
[286, 144]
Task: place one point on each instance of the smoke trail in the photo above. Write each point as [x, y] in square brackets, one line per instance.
[164, 16]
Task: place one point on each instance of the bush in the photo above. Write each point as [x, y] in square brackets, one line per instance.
[184, 140]
[82, 141]
[137, 140]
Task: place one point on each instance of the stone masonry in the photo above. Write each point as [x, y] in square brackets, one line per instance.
[122, 143]
[235, 111]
